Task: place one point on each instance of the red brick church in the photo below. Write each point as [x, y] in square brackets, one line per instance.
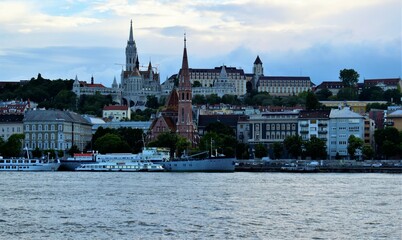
[177, 116]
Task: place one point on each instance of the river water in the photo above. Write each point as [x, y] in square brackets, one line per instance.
[240, 205]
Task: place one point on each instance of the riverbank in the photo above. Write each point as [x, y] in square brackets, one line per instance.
[342, 166]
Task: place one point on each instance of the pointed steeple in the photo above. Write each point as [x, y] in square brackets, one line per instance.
[257, 60]
[185, 74]
[114, 84]
[131, 51]
[131, 38]
[92, 79]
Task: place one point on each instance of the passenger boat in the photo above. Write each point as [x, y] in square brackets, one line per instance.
[153, 154]
[121, 166]
[28, 164]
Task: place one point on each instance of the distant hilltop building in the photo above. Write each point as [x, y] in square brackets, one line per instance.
[233, 81]
[278, 85]
[219, 80]
[135, 84]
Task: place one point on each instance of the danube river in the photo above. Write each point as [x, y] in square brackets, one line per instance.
[240, 205]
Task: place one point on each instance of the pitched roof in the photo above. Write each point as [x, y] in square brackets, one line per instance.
[257, 60]
[115, 107]
[344, 113]
[385, 81]
[53, 115]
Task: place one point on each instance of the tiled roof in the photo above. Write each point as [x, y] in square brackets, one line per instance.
[330, 84]
[314, 114]
[386, 81]
[115, 107]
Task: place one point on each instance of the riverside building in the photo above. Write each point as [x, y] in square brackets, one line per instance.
[55, 129]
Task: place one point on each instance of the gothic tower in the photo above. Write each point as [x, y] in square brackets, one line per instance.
[185, 125]
[131, 51]
[258, 71]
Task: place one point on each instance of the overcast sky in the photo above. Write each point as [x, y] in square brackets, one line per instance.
[315, 38]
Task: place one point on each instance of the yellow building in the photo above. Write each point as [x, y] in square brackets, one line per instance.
[356, 106]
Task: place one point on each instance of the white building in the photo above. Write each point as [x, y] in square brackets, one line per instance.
[218, 79]
[10, 124]
[342, 124]
[116, 113]
[221, 85]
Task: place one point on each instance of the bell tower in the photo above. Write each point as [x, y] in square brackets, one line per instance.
[185, 125]
[131, 51]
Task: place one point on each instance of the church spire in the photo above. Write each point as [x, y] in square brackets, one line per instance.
[185, 75]
[131, 51]
[131, 38]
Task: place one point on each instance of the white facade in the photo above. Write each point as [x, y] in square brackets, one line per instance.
[342, 124]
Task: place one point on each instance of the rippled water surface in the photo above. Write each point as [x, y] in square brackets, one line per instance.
[79, 205]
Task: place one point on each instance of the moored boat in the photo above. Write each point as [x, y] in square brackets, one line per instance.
[27, 164]
[212, 164]
[121, 166]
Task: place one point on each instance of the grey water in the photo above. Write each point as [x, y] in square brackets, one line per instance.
[90, 205]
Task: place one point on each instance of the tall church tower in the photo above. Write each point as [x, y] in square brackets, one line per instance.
[258, 71]
[185, 125]
[131, 51]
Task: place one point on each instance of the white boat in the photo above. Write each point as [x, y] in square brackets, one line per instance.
[27, 164]
[152, 154]
[121, 166]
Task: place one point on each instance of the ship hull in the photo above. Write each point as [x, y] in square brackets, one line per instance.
[200, 165]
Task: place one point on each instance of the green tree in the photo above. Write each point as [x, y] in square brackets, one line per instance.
[199, 99]
[323, 94]
[312, 102]
[213, 99]
[354, 143]
[293, 144]
[111, 143]
[349, 77]
[368, 152]
[347, 93]
[393, 96]
[152, 102]
[315, 148]
[182, 145]
[388, 141]
[13, 146]
[277, 149]
[372, 94]
[167, 140]
[260, 151]
[230, 99]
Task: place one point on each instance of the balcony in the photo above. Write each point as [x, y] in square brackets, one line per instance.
[322, 124]
[304, 132]
[322, 131]
[304, 125]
